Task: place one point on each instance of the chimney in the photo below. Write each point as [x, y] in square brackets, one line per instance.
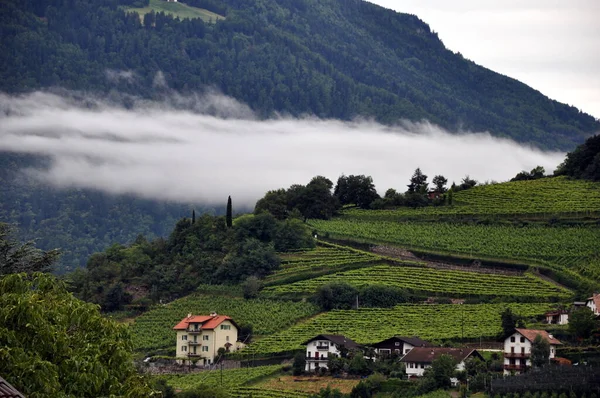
[189, 315]
[213, 314]
[549, 335]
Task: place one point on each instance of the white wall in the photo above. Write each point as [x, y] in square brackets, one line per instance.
[311, 349]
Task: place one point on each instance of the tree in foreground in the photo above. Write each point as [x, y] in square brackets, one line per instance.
[540, 352]
[438, 376]
[582, 323]
[54, 345]
[16, 257]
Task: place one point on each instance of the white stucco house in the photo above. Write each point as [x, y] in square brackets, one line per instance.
[593, 303]
[517, 349]
[418, 359]
[324, 346]
[558, 317]
[199, 338]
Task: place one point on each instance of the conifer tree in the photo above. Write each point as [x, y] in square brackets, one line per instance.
[193, 216]
[229, 216]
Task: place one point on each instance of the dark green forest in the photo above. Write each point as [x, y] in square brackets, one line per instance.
[331, 58]
[201, 250]
[79, 222]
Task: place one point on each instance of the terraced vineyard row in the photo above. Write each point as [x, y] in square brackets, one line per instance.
[546, 197]
[154, 329]
[369, 325]
[228, 378]
[255, 392]
[327, 256]
[432, 280]
[530, 242]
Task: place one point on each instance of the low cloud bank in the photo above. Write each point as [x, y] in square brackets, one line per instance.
[204, 148]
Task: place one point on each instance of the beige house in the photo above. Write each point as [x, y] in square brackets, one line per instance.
[517, 349]
[199, 338]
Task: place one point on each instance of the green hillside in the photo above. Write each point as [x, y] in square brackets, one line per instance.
[542, 199]
[178, 9]
[330, 58]
[430, 322]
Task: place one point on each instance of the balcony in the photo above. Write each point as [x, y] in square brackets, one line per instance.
[194, 331]
[196, 343]
[317, 358]
[194, 355]
[515, 367]
[516, 355]
[323, 347]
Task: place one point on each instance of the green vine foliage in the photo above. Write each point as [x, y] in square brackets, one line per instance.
[54, 345]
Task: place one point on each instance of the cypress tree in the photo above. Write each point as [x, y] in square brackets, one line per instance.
[229, 216]
[193, 216]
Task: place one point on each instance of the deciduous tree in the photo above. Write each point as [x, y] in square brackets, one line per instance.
[54, 345]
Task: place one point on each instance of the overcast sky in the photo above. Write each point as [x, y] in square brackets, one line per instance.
[551, 45]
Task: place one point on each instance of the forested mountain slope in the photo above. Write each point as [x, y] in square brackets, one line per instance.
[331, 58]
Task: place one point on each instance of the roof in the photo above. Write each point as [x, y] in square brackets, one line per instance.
[8, 391]
[595, 298]
[336, 339]
[208, 322]
[530, 334]
[556, 312]
[414, 341]
[429, 354]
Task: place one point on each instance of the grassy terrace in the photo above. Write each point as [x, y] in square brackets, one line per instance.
[178, 10]
[368, 325]
[461, 283]
[543, 198]
[229, 378]
[326, 258]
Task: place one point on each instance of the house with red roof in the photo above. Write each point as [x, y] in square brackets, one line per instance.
[517, 349]
[199, 338]
[593, 303]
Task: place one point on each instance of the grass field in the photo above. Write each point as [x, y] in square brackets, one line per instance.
[368, 325]
[154, 329]
[306, 384]
[178, 10]
[463, 283]
[228, 378]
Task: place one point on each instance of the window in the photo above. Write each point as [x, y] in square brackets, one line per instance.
[205, 348]
[397, 343]
[422, 366]
[522, 350]
[205, 337]
[227, 338]
[183, 348]
[225, 327]
[308, 354]
[184, 337]
[512, 350]
[512, 339]
[522, 339]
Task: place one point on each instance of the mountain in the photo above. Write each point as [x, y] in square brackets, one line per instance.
[330, 58]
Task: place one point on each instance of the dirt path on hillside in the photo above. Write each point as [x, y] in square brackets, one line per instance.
[403, 254]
